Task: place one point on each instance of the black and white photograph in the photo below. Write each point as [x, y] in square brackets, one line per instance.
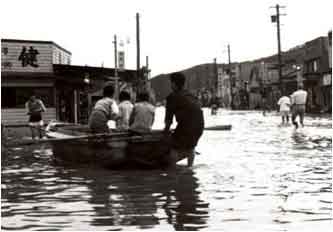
[155, 115]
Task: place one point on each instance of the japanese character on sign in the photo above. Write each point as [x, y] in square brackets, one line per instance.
[29, 57]
[4, 50]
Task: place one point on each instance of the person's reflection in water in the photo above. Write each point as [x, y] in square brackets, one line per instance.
[183, 206]
[134, 198]
[299, 137]
[122, 199]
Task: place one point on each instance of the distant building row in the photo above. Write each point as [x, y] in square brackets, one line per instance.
[309, 63]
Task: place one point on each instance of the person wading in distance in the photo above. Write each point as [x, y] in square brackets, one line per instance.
[35, 107]
[298, 102]
[284, 103]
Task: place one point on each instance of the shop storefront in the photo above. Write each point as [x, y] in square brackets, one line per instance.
[79, 87]
[43, 68]
[327, 92]
[26, 69]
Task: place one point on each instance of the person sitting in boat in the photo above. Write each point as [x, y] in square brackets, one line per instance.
[104, 110]
[35, 107]
[125, 110]
[143, 114]
[190, 120]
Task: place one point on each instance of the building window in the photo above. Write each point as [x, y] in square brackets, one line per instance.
[16, 97]
[313, 66]
[59, 58]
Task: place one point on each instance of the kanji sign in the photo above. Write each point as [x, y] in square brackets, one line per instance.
[121, 59]
[28, 57]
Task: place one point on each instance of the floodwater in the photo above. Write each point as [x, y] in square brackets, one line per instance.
[257, 177]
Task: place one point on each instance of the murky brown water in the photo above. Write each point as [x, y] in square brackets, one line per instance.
[257, 177]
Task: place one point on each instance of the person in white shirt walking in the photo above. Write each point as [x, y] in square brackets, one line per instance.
[298, 102]
[284, 103]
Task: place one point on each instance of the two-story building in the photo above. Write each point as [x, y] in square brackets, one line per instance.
[315, 67]
[27, 68]
[327, 77]
[43, 68]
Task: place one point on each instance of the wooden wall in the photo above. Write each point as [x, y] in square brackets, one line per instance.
[60, 56]
[19, 116]
[35, 72]
[10, 53]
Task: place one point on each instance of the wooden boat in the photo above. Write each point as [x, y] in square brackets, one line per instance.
[75, 145]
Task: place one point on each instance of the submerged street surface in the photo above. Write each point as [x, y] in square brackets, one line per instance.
[257, 177]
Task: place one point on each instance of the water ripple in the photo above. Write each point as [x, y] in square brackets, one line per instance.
[258, 175]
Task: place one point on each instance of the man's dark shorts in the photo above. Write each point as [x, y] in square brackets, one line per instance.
[187, 134]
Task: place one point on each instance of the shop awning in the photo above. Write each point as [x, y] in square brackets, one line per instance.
[77, 74]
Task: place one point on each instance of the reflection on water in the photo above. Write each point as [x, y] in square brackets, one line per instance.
[258, 177]
[302, 139]
[137, 198]
[40, 195]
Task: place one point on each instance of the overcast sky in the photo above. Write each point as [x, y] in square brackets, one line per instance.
[175, 34]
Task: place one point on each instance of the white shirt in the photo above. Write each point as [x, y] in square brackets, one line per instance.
[299, 97]
[142, 117]
[125, 110]
[284, 103]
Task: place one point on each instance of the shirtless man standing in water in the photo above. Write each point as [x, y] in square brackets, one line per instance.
[190, 121]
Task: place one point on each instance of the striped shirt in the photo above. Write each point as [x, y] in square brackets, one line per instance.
[36, 106]
[108, 106]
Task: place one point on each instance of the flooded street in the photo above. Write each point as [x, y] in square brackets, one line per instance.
[257, 177]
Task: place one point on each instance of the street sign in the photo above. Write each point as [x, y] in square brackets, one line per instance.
[121, 60]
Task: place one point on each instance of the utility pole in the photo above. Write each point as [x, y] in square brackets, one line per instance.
[216, 77]
[138, 49]
[276, 18]
[116, 66]
[230, 78]
[147, 68]
[146, 73]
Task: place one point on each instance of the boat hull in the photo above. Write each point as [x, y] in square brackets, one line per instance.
[115, 150]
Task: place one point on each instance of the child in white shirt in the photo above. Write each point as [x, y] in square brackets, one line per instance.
[125, 111]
